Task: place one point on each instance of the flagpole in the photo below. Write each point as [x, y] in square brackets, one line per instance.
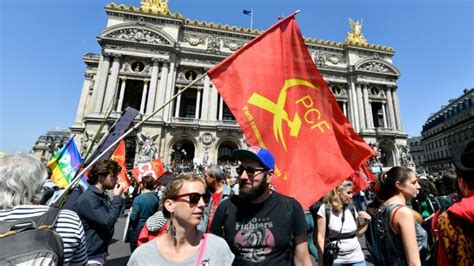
[135, 127]
[95, 139]
[251, 18]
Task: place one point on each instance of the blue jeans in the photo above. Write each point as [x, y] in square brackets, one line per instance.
[360, 263]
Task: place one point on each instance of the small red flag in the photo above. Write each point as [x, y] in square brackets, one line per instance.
[154, 168]
[119, 157]
[361, 178]
[282, 103]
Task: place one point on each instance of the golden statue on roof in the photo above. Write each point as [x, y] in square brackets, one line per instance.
[356, 36]
[155, 6]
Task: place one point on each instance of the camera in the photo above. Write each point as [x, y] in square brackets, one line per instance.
[330, 253]
[332, 248]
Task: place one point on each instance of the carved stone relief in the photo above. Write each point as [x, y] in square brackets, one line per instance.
[323, 58]
[194, 40]
[319, 58]
[232, 44]
[213, 43]
[338, 91]
[207, 138]
[86, 141]
[138, 35]
[147, 149]
[376, 67]
[405, 156]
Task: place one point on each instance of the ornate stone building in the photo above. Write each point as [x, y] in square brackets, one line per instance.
[446, 130]
[148, 54]
[47, 144]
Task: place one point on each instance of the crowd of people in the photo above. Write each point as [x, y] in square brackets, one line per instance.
[208, 217]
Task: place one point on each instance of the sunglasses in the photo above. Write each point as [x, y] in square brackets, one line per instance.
[250, 170]
[194, 197]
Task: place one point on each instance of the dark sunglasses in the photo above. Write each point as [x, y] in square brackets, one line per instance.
[250, 170]
[194, 197]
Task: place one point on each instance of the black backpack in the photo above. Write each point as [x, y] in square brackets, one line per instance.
[31, 241]
[380, 242]
[372, 237]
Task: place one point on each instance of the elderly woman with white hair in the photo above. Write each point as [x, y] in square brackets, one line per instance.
[21, 181]
[338, 227]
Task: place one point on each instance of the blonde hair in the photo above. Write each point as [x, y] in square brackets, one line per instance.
[333, 198]
[172, 189]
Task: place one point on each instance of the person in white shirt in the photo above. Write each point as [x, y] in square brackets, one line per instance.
[343, 228]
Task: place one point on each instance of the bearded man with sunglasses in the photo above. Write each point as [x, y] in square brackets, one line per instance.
[261, 226]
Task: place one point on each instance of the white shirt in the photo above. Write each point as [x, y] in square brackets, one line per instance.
[349, 249]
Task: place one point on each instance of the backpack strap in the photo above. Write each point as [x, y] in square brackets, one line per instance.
[394, 213]
[48, 219]
[351, 208]
[327, 216]
[289, 209]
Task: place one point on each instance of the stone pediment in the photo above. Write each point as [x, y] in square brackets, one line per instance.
[138, 34]
[377, 66]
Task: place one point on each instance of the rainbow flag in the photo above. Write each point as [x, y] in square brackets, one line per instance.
[65, 164]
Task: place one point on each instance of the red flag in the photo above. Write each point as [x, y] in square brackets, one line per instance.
[119, 157]
[281, 102]
[154, 168]
[361, 178]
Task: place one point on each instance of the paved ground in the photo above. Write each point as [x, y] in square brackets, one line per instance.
[120, 251]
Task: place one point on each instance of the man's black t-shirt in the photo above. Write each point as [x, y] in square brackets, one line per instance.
[260, 233]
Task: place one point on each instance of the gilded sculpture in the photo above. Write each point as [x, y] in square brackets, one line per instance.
[356, 36]
[155, 6]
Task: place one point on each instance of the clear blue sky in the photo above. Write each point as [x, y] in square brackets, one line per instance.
[42, 43]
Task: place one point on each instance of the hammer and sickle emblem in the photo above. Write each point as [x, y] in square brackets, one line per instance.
[278, 109]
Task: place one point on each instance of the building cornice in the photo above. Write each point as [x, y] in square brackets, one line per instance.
[217, 27]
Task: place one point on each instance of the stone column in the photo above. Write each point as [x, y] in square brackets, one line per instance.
[396, 104]
[344, 108]
[391, 112]
[145, 90]
[160, 100]
[82, 101]
[170, 89]
[368, 109]
[384, 111]
[205, 99]
[353, 106]
[150, 106]
[213, 105]
[101, 80]
[360, 108]
[221, 108]
[177, 105]
[198, 103]
[121, 94]
[110, 92]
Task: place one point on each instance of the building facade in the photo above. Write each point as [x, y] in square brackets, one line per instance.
[417, 152]
[148, 54]
[47, 144]
[446, 130]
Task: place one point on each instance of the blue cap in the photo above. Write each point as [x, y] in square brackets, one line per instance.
[256, 153]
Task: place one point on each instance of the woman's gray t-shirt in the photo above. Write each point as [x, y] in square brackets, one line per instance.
[216, 252]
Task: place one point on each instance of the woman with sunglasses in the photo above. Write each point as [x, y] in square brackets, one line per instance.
[338, 226]
[183, 204]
